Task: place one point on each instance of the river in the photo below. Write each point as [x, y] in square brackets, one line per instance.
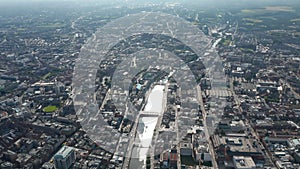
[147, 124]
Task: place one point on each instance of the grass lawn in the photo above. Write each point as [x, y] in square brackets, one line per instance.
[46, 76]
[49, 109]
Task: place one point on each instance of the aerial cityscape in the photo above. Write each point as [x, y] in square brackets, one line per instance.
[149, 84]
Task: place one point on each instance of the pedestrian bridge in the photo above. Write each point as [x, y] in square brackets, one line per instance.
[149, 113]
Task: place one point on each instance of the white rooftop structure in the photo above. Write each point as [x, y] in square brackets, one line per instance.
[242, 162]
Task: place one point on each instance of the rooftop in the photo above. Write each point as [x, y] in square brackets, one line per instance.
[64, 152]
[243, 162]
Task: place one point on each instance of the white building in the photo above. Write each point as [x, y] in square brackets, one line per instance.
[64, 158]
[242, 162]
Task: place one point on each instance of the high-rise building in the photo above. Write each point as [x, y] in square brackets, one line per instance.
[64, 158]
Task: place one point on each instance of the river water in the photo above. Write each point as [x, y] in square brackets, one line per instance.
[147, 124]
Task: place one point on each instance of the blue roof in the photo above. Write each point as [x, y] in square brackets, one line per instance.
[138, 86]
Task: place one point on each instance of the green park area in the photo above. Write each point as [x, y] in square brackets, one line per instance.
[49, 109]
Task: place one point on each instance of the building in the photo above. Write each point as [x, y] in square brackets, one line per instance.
[6, 165]
[294, 143]
[242, 162]
[228, 147]
[64, 158]
[164, 158]
[186, 149]
[48, 165]
[173, 158]
[169, 158]
[232, 126]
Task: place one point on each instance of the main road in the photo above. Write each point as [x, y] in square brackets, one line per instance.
[207, 135]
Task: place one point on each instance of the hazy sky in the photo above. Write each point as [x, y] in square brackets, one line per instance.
[132, 2]
[196, 1]
[54, 1]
